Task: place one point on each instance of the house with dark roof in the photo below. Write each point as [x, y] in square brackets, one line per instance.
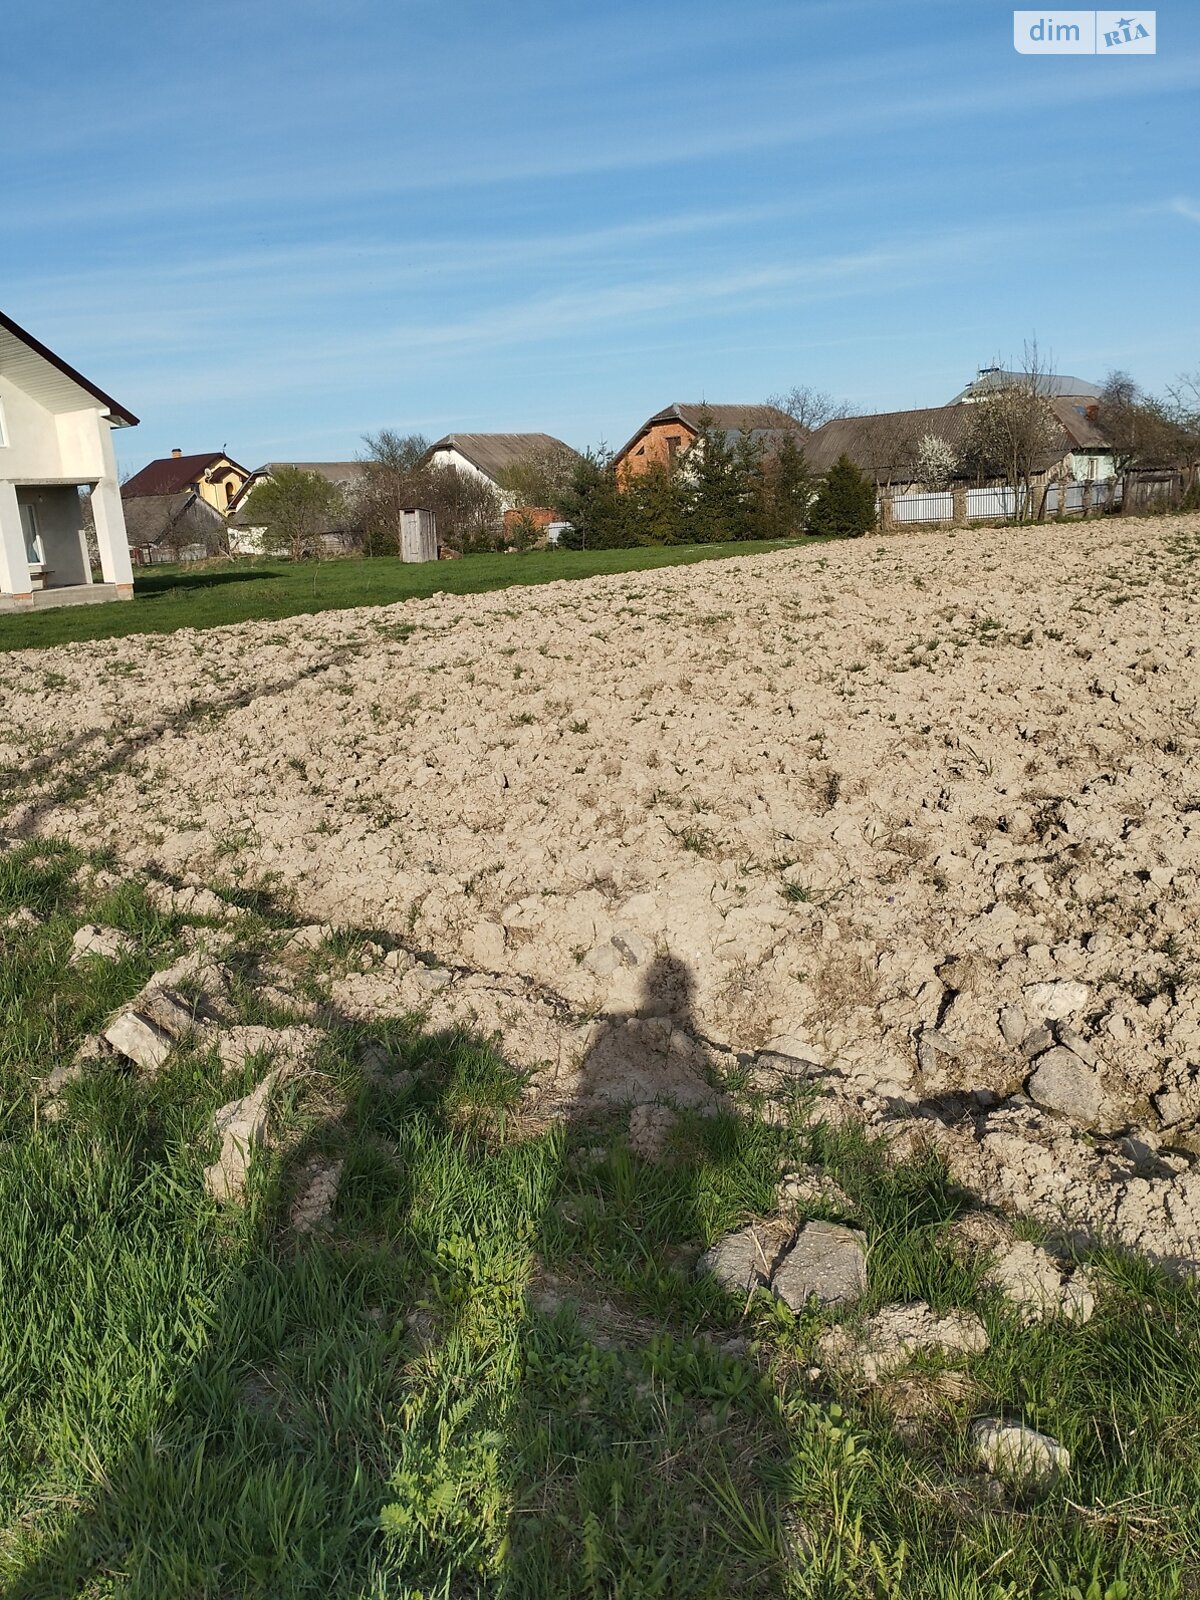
[55, 440]
[215, 477]
[174, 527]
[887, 445]
[670, 432]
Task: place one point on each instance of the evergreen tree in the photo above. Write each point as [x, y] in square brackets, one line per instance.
[657, 502]
[787, 489]
[600, 515]
[845, 503]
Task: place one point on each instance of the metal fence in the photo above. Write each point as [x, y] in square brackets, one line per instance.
[998, 503]
[935, 507]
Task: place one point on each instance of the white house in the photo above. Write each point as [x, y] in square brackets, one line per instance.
[56, 438]
[486, 456]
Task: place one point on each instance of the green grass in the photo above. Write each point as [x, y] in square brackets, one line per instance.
[497, 1374]
[166, 598]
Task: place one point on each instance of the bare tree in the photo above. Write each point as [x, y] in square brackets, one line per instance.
[1013, 432]
[810, 408]
[542, 478]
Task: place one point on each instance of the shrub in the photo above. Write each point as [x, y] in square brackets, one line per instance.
[845, 502]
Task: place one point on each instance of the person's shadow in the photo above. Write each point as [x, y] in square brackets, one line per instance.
[194, 1506]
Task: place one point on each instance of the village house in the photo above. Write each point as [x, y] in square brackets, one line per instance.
[670, 432]
[56, 439]
[246, 536]
[489, 456]
[887, 444]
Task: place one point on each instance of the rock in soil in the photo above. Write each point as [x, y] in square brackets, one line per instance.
[827, 1263]
[1061, 1082]
[889, 1340]
[744, 1260]
[1019, 1454]
[241, 1126]
[135, 1036]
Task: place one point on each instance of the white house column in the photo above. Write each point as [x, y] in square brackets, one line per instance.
[108, 515]
[14, 563]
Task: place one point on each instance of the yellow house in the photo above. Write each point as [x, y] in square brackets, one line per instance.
[214, 477]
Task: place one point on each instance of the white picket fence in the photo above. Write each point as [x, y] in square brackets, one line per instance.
[995, 504]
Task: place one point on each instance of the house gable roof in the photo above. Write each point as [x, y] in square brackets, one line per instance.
[884, 444]
[491, 453]
[150, 517]
[1052, 384]
[342, 474]
[50, 380]
[756, 419]
[172, 474]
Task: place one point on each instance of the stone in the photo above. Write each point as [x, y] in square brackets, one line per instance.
[940, 1043]
[316, 1196]
[1013, 1026]
[777, 1064]
[241, 1126]
[140, 1039]
[743, 1260]
[431, 979]
[890, 1339]
[106, 944]
[1036, 1042]
[1061, 1082]
[827, 1263]
[1076, 1044]
[168, 1012]
[1011, 1450]
[1056, 1000]
[1029, 1276]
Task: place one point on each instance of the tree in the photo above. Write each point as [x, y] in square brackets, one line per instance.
[810, 408]
[845, 503]
[936, 462]
[1013, 432]
[786, 490]
[602, 516]
[716, 483]
[394, 479]
[541, 478]
[295, 508]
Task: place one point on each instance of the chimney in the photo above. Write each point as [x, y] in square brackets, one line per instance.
[176, 453]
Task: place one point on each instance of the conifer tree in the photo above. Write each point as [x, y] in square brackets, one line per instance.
[845, 503]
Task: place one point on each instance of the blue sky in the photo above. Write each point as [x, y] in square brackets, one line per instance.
[281, 224]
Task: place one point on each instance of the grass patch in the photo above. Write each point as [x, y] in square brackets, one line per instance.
[497, 1373]
[166, 598]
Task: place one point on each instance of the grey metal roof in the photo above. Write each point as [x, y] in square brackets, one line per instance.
[989, 379]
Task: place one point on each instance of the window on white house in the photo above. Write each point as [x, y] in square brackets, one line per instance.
[33, 539]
